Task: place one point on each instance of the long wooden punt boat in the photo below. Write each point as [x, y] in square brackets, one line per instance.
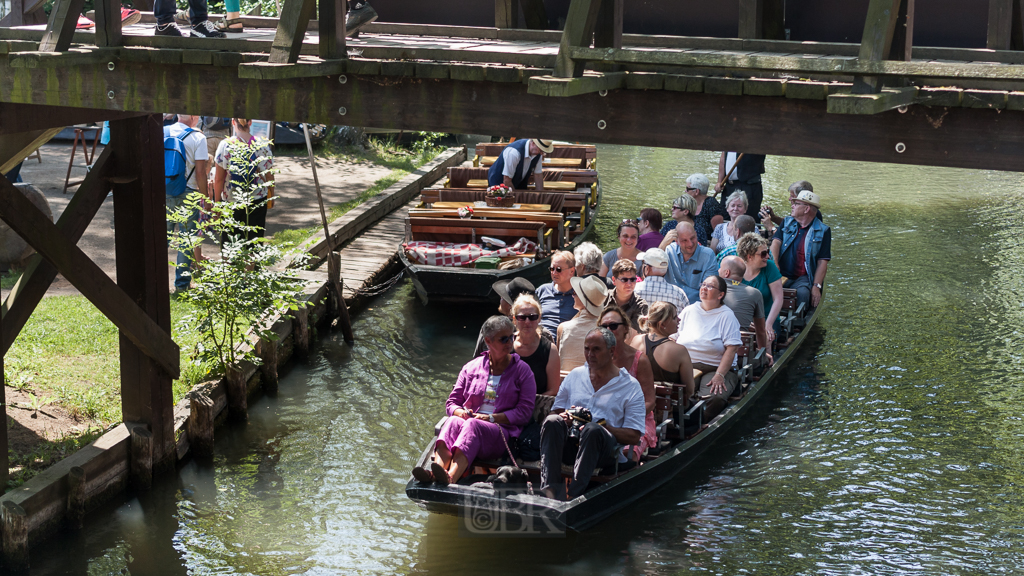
[558, 218]
[529, 514]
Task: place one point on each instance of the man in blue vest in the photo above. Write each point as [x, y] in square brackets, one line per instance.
[520, 163]
[802, 247]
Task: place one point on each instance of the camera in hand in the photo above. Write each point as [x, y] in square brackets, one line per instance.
[580, 418]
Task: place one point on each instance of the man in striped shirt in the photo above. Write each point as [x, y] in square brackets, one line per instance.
[655, 288]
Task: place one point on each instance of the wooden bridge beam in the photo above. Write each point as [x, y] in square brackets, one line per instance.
[291, 30]
[108, 23]
[1005, 29]
[579, 29]
[28, 117]
[331, 29]
[790, 126]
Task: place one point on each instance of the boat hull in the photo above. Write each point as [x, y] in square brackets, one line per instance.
[542, 514]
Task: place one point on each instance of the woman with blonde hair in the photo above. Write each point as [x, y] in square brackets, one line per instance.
[249, 180]
[683, 209]
[532, 347]
[670, 361]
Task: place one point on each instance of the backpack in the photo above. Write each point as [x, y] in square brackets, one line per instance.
[175, 163]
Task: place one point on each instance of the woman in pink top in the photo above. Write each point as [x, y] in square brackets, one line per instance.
[638, 365]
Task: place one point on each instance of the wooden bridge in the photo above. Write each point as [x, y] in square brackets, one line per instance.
[882, 100]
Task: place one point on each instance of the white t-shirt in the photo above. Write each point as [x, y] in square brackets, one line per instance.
[195, 149]
[620, 401]
[490, 395]
[706, 333]
[730, 161]
[514, 161]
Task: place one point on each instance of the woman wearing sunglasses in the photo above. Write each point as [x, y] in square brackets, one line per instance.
[764, 275]
[532, 347]
[636, 363]
[624, 296]
[491, 402]
[711, 334]
[628, 234]
[683, 209]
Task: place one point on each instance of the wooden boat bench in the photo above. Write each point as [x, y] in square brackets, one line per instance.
[792, 315]
[469, 231]
[556, 200]
[459, 176]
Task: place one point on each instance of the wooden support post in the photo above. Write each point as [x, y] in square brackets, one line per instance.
[76, 498]
[200, 425]
[506, 13]
[608, 28]
[774, 25]
[1017, 28]
[237, 393]
[141, 456]
[39, 273]
[15, 528]
[579, 28]
[4, 456]
[903, 34]
[60, 28]
[332, 29]
[108, 23]
[877, 41]
[751, 24]
[535, 14]
[341, 310]
[1000, 24]
[291, 30]
[300, 331]
[268, 370]
[140, 241]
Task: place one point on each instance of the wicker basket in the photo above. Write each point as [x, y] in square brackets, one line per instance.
[505, 202]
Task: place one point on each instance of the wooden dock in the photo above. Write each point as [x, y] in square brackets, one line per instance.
[372, 258]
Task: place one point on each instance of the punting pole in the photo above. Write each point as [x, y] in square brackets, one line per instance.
[731, 170]
[333, 273]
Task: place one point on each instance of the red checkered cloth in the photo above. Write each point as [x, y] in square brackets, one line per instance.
[448, 254]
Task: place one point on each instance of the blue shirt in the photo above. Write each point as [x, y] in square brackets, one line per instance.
[688, 274]
[555, 307]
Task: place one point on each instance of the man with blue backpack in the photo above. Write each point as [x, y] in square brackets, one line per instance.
[186, 162]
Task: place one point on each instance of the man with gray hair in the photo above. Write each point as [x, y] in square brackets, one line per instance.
[794, 190]
[616, 403]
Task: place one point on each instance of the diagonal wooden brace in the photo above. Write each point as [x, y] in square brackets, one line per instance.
[291, 30]
[35, 280]
[61, 26]
[91, 281]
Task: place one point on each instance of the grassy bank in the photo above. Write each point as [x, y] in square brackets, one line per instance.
[383, 152]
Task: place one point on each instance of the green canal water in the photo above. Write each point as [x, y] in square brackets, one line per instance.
[892, 444]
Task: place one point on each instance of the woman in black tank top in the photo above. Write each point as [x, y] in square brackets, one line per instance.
[532, 347]
[670, 362]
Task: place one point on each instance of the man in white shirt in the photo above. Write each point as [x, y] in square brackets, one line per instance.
[616, 402]
[520, 163]
[197, 167]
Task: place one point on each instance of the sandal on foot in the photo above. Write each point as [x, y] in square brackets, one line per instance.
[440, 474]
[228, 25]
[421, 474]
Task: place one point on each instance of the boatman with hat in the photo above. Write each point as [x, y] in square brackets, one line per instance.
[520, 163]
[802, 247]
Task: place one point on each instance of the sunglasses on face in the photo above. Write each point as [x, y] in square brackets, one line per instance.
[556, 268]
[506, 339]
[627, 279]
[530, 317]
[692, 189]
[676, 208]
[613, 326]
[763, 253]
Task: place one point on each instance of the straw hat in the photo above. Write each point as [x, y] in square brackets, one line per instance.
[592, 291]
[546, 146]
[810, 198]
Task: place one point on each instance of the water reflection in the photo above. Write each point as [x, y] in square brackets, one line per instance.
[892, 444]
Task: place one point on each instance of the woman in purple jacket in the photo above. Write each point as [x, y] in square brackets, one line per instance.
[492, 401]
